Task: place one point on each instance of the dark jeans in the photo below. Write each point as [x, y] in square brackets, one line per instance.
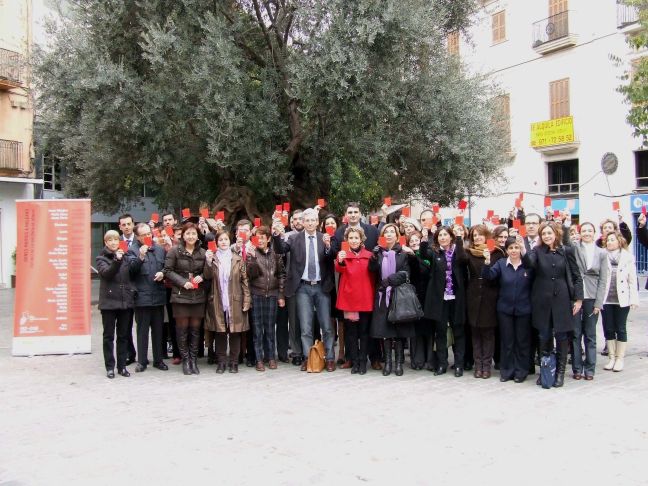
[234, 345]
[356, 337]
[281, 332]
[149, 318]
[309, 297]
[515, 345]
[614, 322]
[441, 336]
[483, 345]
[131, 353]
[585, 328]
[115, 319]
[294, 329]
[263, 322]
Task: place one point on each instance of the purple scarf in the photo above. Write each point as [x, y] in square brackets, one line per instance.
[449, 253]
[388, 268]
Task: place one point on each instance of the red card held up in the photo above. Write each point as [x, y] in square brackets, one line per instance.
[521, 196]
[186, 213]
[321, 203]
[169, 231]
[402, 241]
[490, 243]
[489, 214]
[284, 220]
[459, 220]
[204, 212]
[211, 245]
[123, 246]
[345, 246]
[643, 209]
[257, 222]
[286, 206]
[496, 220]
[382, 242]
[345, 220]
[463, 204]
[279, 208]
[243, 235]
[193, 282]
[375, 220]
[155, 217]
[388, 201]
[547, 202]
[148, 241]
[556, 213]
[522, 232]
[330, 230]
[435, 208]
[518, 203]
[255, 241]
[517, 223]
[220, 216]
[406, 211]
[615, 206]
[435, 220]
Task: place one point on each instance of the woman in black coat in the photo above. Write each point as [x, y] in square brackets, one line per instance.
[116, 299]
[445, 299]
[557, 293]
[391, 267]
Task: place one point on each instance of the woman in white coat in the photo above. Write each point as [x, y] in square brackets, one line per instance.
[622, 295]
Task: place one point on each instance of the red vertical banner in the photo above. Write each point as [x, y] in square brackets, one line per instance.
[52, 303]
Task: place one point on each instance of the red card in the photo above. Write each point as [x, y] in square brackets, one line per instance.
[345, 220]
[388, 201]
[522, 231]
[375, 220]
[284, 220]
[518, 203]
[402, 241]
[330, 230]
[489, 214]
[279, 208]
[547, 202]
[435, 220]
[435, 208]
[406, 211]
[211, 245]
[169, 230]
[220, 216]
[459, 220]
[155, 217]
[186, 213]
[286, 206]
[490, 243]
[193, 282]
[345, 246]
[382, 242]
[463, 204]
[643, 209]
[615, 206]
[204, 212]
[521, 196]
[255, 241]
[257, 222]
[496, 220]
[148, 241]
[556, 213]
[123, 245]
[321, 203]
[243, 235]
[517, 223]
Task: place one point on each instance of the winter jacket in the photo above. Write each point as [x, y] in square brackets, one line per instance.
[266, 274]
[179, 263]
[116, 290]
[357, 288]
[149, 292]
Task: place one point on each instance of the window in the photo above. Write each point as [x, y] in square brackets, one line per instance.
[453, 42]
[641, 169]
[562, 177]
[502, 118]
[498, 26]
[559, 98]
[51, 175]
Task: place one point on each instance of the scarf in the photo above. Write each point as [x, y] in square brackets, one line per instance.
[478, 250]
[614, 257]
[449, 253]
[224, 269]
[388, 267]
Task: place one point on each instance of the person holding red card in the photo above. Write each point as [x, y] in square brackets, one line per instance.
[243, 246]
[184, 267]
[146, 265]
[391, 268]
[116, 301]
[355, 296]
[267, 279]
[126, 226]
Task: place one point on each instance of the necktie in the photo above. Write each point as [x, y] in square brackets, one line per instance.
[312, 272]
[129, 242]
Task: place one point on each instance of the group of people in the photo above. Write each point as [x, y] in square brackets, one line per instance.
[260, 294]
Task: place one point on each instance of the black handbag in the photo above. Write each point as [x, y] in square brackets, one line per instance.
[404, 305]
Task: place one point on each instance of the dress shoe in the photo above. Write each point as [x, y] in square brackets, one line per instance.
[355, 369]
[589, 377]
[303, 366]
[297, 361]
[249, 363]
[140, 368]
[346, 365]
[110, 374]
[234, 368]
[284, 359]
[375, 365]
[441, 370]
[161, 366]
[486, 375]
[130, 361]
[330, 365]
[578, 376]
[468, 367]
[220, 368]
[362, 368]
[272, 364]
[478, 373]
[518, 379]
[124, 372]
[260, 366]
[459, 372]
[176, 361]
[504, 379]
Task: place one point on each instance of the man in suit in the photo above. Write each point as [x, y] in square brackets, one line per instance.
[532, 224]
[353, 215]
[310, 279]
[126, 226]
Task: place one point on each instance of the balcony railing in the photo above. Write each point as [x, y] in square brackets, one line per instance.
[11, 154]
[551, 29]
[567, 188]
[11, 69]
[626, 14]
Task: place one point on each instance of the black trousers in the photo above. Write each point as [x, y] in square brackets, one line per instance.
[515, 345]
[441, 336]
[131, 353]
[115, 320]
[170, 327]
[149, 318]
[356, 338]
[281, 332]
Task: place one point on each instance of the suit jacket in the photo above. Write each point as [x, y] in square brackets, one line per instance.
[595, 278]
[295, 244]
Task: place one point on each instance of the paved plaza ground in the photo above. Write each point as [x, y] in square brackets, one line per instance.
[63, 422]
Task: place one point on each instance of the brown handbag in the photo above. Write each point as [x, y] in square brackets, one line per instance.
[316, 358]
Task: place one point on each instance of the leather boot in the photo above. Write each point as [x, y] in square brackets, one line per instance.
[611, 347]
[388, 357]
[562, 349]
[194, 341]
[400, 357]
[181, 334]
[620, 355]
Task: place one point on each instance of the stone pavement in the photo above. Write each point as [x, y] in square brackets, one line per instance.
[63, 422]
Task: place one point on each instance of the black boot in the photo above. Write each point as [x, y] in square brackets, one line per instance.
[194, 339]
[400, 357]
[181, 334]
[562, 349]
[388, 357]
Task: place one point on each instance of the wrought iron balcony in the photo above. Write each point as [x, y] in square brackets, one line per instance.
[553, 33]
[626, 14]
[11, 155]
[11, 69]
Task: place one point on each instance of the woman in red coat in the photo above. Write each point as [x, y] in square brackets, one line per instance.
[355, 296]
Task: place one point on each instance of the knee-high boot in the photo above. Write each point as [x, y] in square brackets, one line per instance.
[181, 335]
[562, 349]
[400, 357]
[388, 357]
[194, 341]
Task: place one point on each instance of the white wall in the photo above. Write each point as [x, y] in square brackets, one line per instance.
[9, 192]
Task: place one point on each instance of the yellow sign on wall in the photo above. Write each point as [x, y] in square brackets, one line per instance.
[552, 132]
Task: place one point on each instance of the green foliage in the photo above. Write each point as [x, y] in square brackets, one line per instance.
[294, 99]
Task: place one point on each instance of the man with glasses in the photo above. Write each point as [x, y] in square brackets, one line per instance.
[532, 224]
